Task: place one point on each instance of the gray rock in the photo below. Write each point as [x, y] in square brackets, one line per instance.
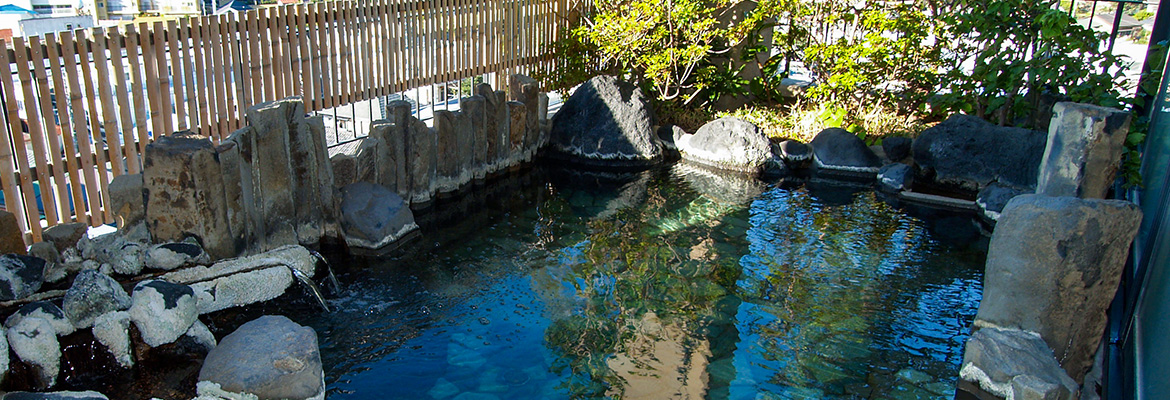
[86, 395]
[836, 151]
[64, 236]
[162, 311]
[272, 164]
[35, 342]
[993, 198]
[390, 154]
[373, 216]
[11, 236]
[308, 161]
[454, 134]
[1003, 361]
[245, 280]
[421, 157]
[43, 310]
[91, 296]
[185, 192]
[1085, 144]
[1053, 266]
[526, 90]
[169, 256]
[728, 143]
[237, 188]
[112, 330]
[897, 148]
[201, 335]
[667, 135]
[122, 255]
[895, 177]
[344, 169]
[794, 153]
[128, 199]
[20, 276]
[474, 108]
[270, 357]
[606, 122]
[967, 153]
[55, 269]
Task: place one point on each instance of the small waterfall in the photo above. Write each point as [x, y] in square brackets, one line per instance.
[308, 282]
[332, 279]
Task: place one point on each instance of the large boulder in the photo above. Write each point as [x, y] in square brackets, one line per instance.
[92, 295]
[373, 217]
[162, 311]
[966, 153]
[35, 342]
[1053, 266]
[897, 148]
[11, 236]
[607, 122]
[270, 357]
[185, 192]
[1085, 144]
[1015, 364]
[20, 276]
[838, 152]
[728, 143]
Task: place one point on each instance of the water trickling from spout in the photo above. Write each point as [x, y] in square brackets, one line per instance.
[316, 290]
[329, 269]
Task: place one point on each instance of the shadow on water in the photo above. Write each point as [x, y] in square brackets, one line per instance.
[669, 283]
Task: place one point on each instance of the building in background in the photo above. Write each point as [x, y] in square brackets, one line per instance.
[19, 18]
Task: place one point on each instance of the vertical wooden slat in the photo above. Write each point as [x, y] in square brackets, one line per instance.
[285, 29]
[396, 46]
[101, 60]
[133, 51]
[98, 215]
[64, 98]
[336, 57]
[164, 79]
[266, 53]
[354, 77]
[255, 58]
[385, 55]
[324, 50]
[147, 39]
[231, 117]
[300, 70]
[199, 45]
[316, 36]
[25, 210]
[188, 51]
[275, 65]
[239, 66]
[219, 41]
[177, 69]
[52, 195]
[96, 178]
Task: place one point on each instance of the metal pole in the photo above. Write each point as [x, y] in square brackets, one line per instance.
[1116, 25]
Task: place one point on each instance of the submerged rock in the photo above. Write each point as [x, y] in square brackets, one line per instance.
[967, 153]
[728, 143]
[895, 177]
[43, 310]
[162, 311]
[1053, 267]
[35, 342]
[607, 122]
[1015, 364]
[20, 276]
[86, 395]
[836, 151]
[92, 295]
[270, 357]
[373, 217]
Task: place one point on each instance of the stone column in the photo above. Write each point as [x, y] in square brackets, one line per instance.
[366, 160]
[324, 175]
[447, 151]
[1085, 144]
[419, 145]
[254, 232]
[391, 155]
[1053, 267]
[184, 192]
[398, 112]
[239, 205]
[474, 108]
[304, 154]
[490, 139]
[526, 90]
[127, 199]
[517, 133]
[272, 171]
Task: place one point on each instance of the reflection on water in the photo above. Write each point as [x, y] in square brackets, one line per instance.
[674, 283]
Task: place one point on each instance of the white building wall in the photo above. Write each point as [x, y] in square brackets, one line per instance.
[55, 8]
[40, 26]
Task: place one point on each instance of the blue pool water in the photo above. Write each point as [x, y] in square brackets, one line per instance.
[672, 283]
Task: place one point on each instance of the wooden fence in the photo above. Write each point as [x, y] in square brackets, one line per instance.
[81, 106]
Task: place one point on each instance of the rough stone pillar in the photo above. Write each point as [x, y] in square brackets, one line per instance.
[1053, 266]
[273, 172]
[517, 133]
[304, 154]
[490, 139]
[324, 175]
[474, 109]
[398, 112]
[1085, 144]
[447, 151]
[366, 160]
[128, 200]
[391, 155]
[255, 233]
[184, 192]
[344, 170]
[238, 204]
[503, 131]
[544, 125]
[526, 90]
